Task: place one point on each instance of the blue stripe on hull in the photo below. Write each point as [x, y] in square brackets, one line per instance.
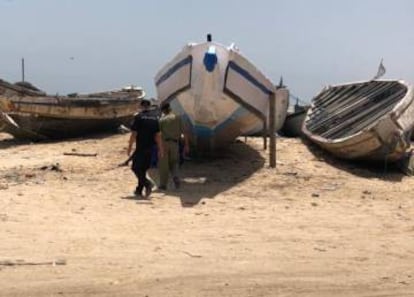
[174, 69]
[243, 72]
[203, 132]
[233, 117]
[204, 136]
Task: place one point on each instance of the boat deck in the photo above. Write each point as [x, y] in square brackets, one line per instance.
[342, 111]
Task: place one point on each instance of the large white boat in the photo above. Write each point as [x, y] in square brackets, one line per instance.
[369, 120]
[219, 93]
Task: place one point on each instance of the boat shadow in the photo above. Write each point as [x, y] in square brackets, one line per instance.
[379, 170]
[12, 142]
[208, 176]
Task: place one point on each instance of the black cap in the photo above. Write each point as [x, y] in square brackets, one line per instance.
[145, 102]
[165, 106]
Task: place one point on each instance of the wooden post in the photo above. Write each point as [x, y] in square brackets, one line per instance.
[272, 132]
[265, 132]
[22, 69]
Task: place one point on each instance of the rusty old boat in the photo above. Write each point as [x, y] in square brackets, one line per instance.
[28, 113]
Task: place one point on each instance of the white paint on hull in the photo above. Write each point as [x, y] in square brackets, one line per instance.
[223, 102]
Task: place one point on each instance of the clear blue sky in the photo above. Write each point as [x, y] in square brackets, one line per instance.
[92, 45]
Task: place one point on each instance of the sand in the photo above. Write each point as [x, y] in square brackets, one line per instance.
[314, 226]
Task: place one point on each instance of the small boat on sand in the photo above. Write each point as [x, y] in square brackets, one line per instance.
[370, 120]
[292, 127]
[219, 93]
[28, 113]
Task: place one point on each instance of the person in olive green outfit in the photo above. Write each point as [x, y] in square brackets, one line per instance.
[171, 133]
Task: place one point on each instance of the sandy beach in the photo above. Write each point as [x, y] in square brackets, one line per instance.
[314, 226]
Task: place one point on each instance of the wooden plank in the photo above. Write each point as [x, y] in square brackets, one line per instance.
[272, 128]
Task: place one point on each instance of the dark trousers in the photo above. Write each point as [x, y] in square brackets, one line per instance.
[140, 164]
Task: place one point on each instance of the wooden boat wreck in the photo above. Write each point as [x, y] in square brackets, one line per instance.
[27, 113]
[219, 93]
[369, 120]
[292, 127]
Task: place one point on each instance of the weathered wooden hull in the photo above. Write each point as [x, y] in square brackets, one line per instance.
[32, 127]
[30, 115]
[219, 94]
[368, 120]
[292, 127]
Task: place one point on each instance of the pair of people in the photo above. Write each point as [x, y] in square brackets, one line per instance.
[148, 129]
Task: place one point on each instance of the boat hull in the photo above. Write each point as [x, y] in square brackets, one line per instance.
[34, 116]
[292, 127]
[219, 94]
[35, 128]
[368, 120]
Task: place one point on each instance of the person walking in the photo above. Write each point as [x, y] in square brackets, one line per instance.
[145, 134]
[172, 132]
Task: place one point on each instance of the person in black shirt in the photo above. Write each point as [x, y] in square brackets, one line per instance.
[145, 134]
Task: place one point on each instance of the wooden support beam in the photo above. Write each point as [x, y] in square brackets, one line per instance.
[81, 154]
[272, 130]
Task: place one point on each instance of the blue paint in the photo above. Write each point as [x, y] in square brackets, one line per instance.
[210, 59]
[203, 131]
[249, 77]
[174, 69]
[239, 112]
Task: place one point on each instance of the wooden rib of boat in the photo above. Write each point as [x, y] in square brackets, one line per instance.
[219, 93]
[369, 120]
[28, 113]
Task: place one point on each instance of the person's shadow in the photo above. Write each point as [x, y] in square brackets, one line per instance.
[139, 200]
[208, 176]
